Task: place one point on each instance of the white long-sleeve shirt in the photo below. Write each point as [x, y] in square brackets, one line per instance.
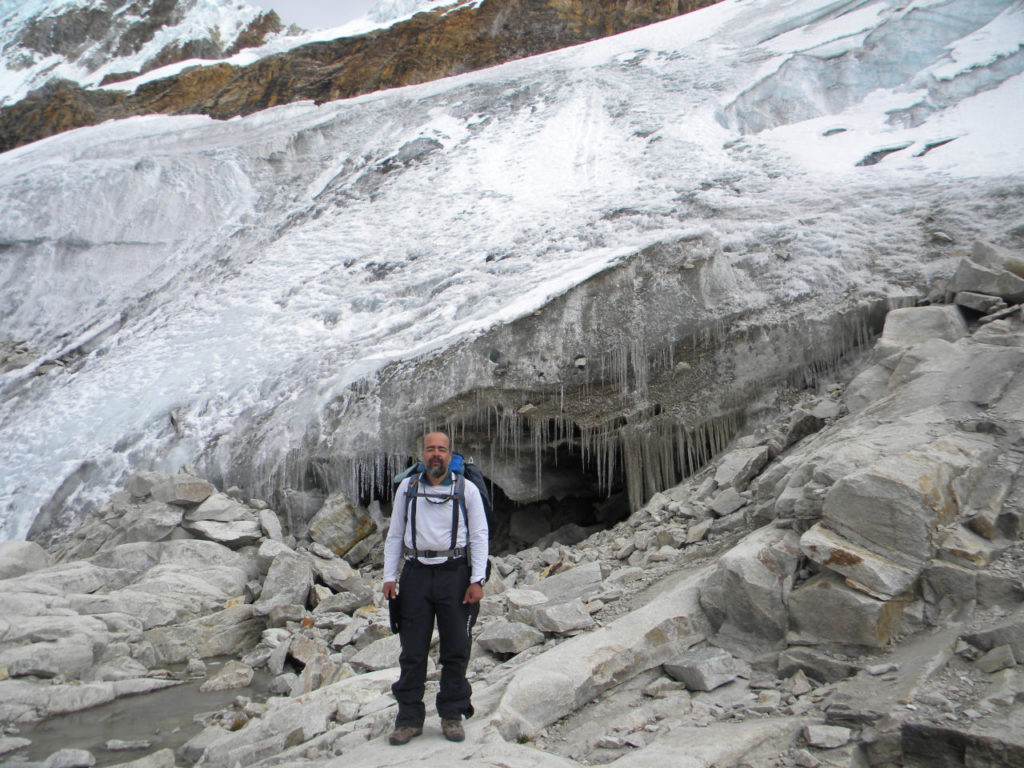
[434, 527]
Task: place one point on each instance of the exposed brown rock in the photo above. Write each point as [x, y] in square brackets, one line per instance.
[426, 47]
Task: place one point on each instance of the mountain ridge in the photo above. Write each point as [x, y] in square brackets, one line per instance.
[428, 46]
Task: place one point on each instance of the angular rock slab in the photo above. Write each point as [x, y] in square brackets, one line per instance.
[896, 506]
[720, 744]
[912, 325]
[503, 636]
[340, 525]
[705, 669]
[863, 569]
[563, 679]
[226, 633]
[826, 610]
[746, 590]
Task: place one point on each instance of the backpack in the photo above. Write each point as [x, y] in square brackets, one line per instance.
[463, 470]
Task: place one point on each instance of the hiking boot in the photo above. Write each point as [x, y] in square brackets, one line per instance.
[452, 729]
[403, 735]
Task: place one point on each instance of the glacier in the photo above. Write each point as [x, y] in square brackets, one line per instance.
[253, 296]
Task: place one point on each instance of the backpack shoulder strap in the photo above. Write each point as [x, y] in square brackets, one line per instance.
[411, 491]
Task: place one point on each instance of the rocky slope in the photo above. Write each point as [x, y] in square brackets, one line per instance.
[45, 41]
[427, 47]
[840, 587]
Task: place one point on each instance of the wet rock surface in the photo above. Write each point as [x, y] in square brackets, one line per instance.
[862, 606]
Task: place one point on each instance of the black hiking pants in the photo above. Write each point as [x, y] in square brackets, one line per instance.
[428, 593]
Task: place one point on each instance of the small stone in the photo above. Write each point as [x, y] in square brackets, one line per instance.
[826, 736]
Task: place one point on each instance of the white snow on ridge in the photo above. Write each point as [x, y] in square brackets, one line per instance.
[240, 274]
[227, 18]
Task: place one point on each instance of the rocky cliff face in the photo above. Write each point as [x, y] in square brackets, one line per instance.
[54, 40]
[426, 47]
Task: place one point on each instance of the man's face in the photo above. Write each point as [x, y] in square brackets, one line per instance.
[436, 454]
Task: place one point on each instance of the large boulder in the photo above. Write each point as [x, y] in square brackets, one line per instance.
[229, 632]
[288, 582]
[745, 593]
[826, 610]
[182, 489]
[560, 681]
[340, 525]
[20, 557]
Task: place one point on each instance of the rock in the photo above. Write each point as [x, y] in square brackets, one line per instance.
[504, 637]
[745, 592]
[284, 613]
[866, 387]
[162, 758]
[270, 524]
[705, 669]
[582, 581]
[995, 281]
[20, 557]
[380, 654]
[896, 506]
[338, 575]
[225, 633]
[727, 502]
[1000, 657]
[182, 490]
[814, 664]
[235, 535]
[826, 610]
[562, 617]
[522, 604]
[71, 656]
[340, 525]
[345, 602]
[269, 549]
[979, 302]
[141, 484]
[1008, 632]
[220, 507]
[826, 736]
[863, 569]
[738, 467]
[9, 744]
[287, 582]
[234, 674]
[561, 680]
[911, 325]
[117, 744]
[70, 758]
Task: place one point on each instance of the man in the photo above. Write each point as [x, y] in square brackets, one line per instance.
[440, 580]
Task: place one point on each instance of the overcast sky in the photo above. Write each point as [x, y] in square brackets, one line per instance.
[316, 14]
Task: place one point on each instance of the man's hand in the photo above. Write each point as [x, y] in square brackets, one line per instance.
[391, 590]
[474, 594]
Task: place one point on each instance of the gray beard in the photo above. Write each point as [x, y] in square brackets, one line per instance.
[436, 472]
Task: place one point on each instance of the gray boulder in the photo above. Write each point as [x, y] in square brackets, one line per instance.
[20, 557]
[229, 632]
[826, 610]
[745, 593]
[340, 525]
[221, 508]
[182, 489]
[705, 669]
[288, 582]
[503, 636]
[995, 281]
